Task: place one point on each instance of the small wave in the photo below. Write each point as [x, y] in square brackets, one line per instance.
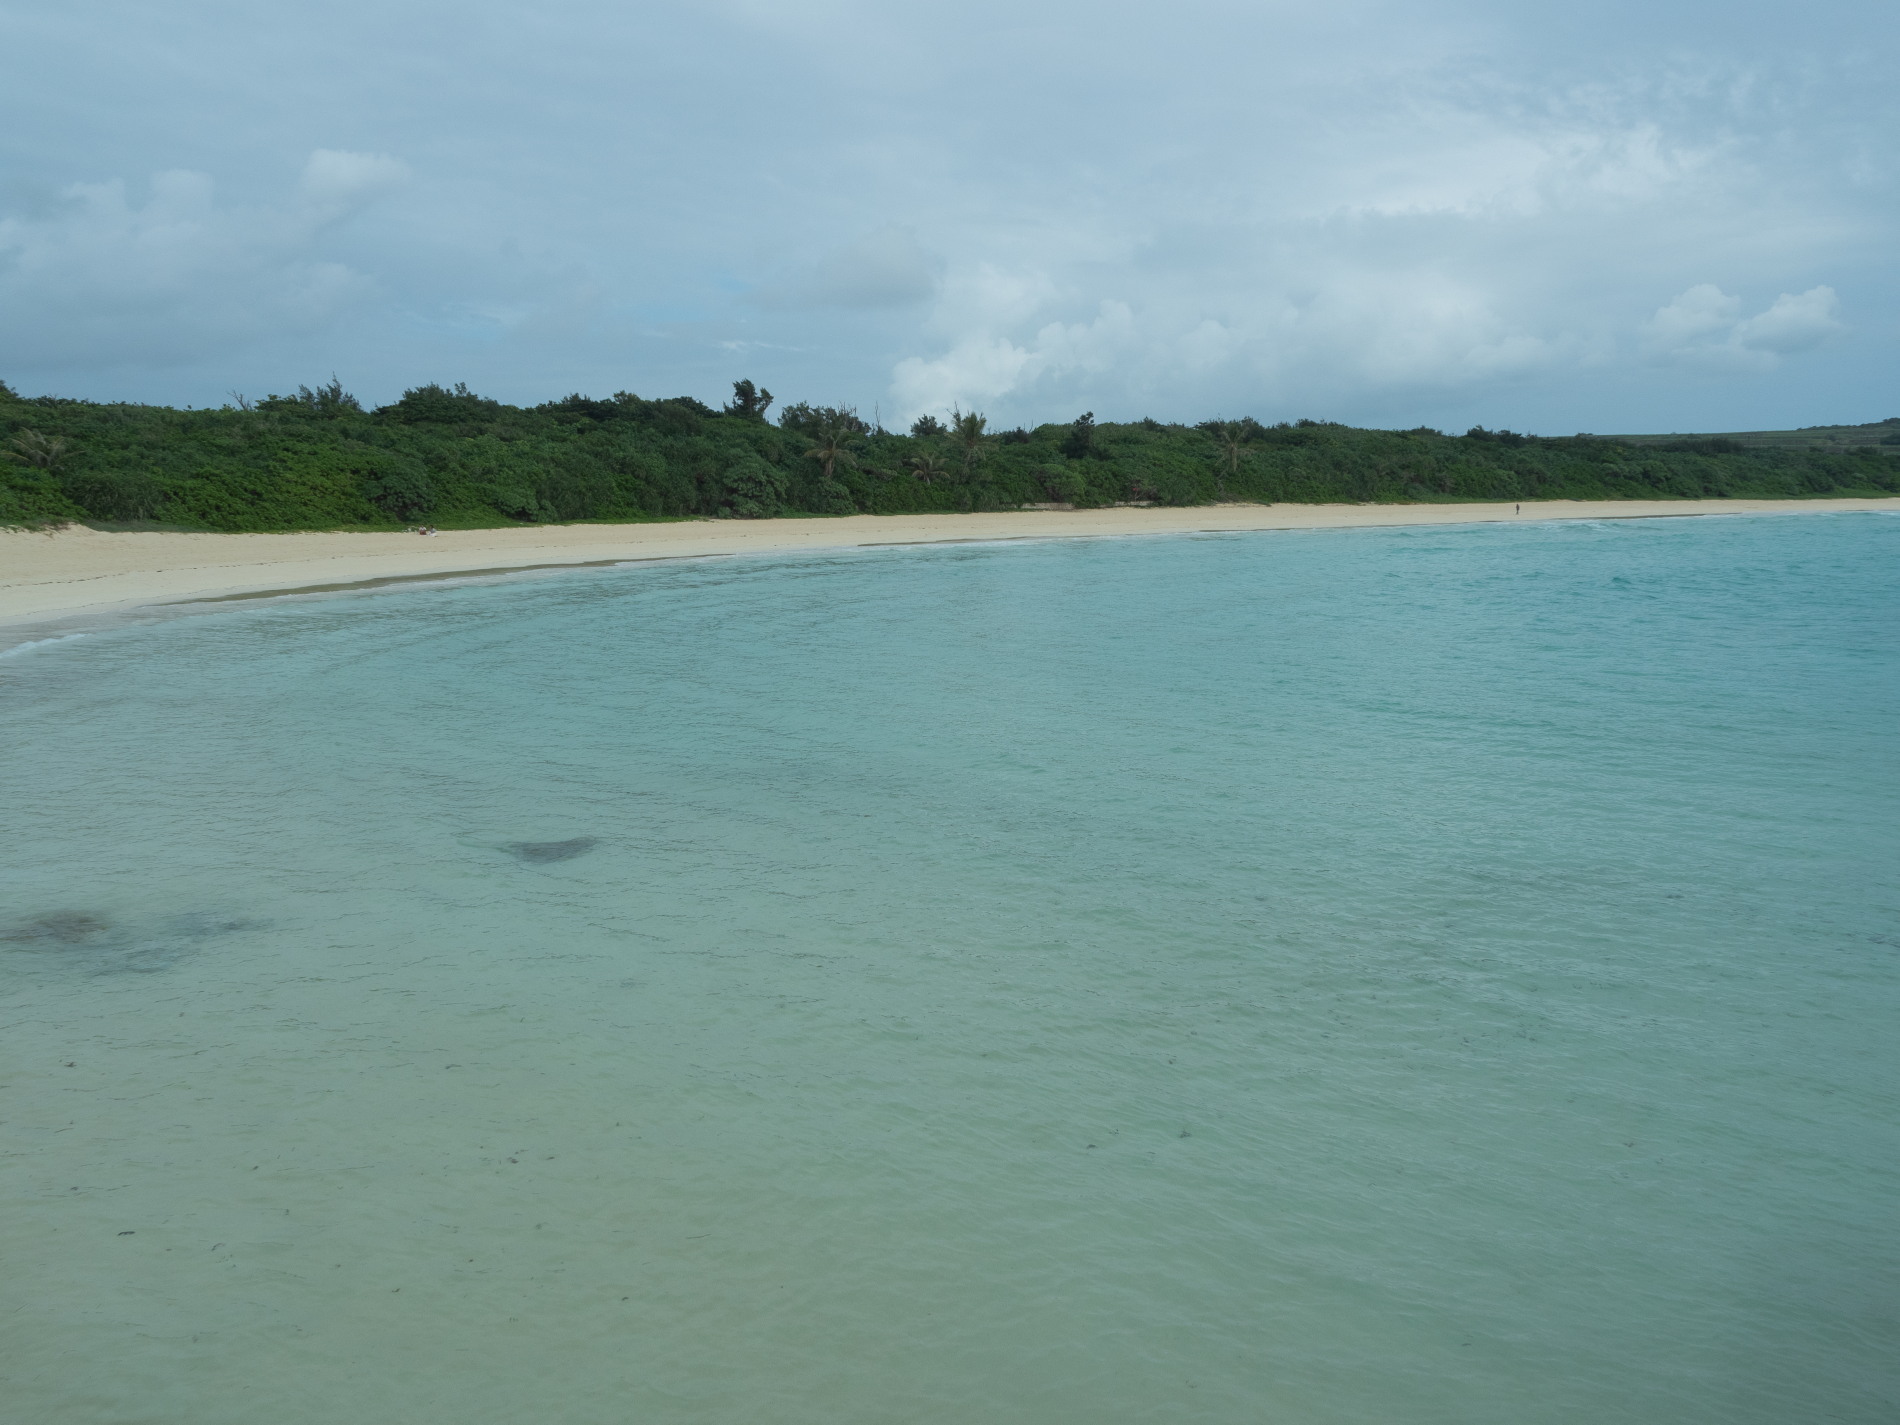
[33, 643]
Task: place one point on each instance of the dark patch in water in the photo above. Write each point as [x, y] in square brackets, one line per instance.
[60, 927]
[538, 852]
[79, 941]
[199, 925]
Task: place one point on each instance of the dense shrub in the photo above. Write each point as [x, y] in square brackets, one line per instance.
[318, 460]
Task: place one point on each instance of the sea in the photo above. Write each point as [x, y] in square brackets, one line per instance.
[1425, 976]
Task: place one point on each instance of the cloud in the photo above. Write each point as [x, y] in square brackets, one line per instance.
[1317, 309]
[1705, 327]
[1450, 240]
[1794, 323]
[887, 267]
[108, 278]
[1441, 211]
[1702, 316]
[336, 183]
[983, 367]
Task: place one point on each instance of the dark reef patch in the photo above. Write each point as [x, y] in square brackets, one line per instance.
[72, 941]
[59, 927]
[540, 852]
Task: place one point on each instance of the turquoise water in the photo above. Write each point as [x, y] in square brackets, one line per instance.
[1423, 975]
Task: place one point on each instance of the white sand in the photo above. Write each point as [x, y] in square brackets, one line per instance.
[48, 576]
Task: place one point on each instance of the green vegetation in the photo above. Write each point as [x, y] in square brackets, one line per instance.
[318, 460]
[1835, 438]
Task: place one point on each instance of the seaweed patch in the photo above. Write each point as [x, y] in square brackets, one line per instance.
[90, 943]
[60, 927]
[540, 852]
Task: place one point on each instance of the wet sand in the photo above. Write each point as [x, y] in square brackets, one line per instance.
[52, 576]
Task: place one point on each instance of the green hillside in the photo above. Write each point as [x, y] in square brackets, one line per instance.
[1885, 433]
[318, 460]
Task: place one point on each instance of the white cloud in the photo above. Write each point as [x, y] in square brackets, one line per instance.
[1705, 327]
[1424, 210]
[973, 372]
[1301, 323]
[107, 279]
[1444, 239]
[1701, 316]
[336, 183]
[983, 367]
[1796, 322]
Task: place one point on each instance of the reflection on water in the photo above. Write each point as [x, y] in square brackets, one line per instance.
[1413, 975]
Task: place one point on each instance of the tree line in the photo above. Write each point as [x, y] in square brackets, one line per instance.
[317, 459]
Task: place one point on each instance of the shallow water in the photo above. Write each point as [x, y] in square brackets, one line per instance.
[1426, 975]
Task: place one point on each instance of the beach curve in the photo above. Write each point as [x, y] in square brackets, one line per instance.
[75, 572]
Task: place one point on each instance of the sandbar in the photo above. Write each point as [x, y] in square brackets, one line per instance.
[74, 572]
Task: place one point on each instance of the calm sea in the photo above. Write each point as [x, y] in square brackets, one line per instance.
[1435, 976]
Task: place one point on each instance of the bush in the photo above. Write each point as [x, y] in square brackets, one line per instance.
[750, 489]
[399, 487]
[33, 500]
[307, 487]
[123, 495]
[441, 405]
[316, 460]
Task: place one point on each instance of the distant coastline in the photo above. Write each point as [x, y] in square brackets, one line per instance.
[80, 573]
[448, 457]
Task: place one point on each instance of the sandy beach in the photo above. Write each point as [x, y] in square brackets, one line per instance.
[48, 577]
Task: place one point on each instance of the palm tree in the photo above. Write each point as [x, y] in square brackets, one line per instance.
[832, 449]
[1232, 439]
[43, 452]
[927, 467]
[969, 431]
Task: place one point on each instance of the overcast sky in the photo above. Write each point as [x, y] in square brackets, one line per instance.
[1610, 217]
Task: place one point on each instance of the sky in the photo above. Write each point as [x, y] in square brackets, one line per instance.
[1610, 217]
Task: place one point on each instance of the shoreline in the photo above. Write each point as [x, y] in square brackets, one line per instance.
[75, 572]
